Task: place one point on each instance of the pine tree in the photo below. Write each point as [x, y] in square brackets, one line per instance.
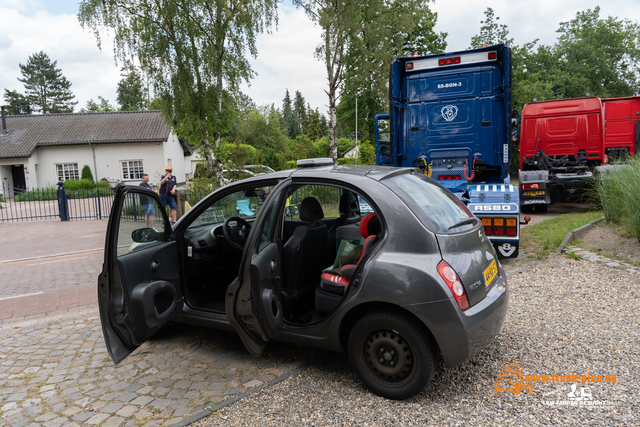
[131, 94]
[47, 90]
[290, 121]
[300, 111]
[17, 102]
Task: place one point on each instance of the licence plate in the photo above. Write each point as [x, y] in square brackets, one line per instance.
[534, 193]
[490, 273]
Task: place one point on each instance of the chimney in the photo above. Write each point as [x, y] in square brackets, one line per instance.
[4, 122]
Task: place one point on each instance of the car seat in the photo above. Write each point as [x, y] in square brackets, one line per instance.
[304, 251]
[333, 285]
[349, 209]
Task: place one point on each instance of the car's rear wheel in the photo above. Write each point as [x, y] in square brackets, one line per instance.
[392, 354]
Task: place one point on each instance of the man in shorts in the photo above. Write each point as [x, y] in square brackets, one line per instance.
[147, 203]
[168, 184]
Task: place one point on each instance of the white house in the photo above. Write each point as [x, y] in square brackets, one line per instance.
[40, 150]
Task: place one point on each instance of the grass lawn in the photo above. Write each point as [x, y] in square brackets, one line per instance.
[543, 238]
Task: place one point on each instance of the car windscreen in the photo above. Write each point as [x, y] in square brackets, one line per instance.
[438, 209]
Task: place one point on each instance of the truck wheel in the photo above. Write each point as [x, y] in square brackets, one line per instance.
[392, 354]
[526, 208]
[541, 208]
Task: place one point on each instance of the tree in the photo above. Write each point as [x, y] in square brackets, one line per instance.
[46, 89]
[17, 102]
[289, 119]
[101, 106]
[131, 91]
[86, 173]
[365, 35]
[262, 129]
[597, 56]
[194, 54]
[312, 129]
[300, 112]
[396, 31]
[337, 19]
[491, 32]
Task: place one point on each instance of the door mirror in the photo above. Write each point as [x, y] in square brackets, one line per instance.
[292, 210]
[145, 235]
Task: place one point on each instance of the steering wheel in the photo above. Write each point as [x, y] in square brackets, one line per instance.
[236, 235]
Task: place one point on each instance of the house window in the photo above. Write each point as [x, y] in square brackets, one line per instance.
[132, 169]
[67, 171]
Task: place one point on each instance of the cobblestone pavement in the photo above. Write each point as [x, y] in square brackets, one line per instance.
[49, 274]
[55, 371]
[576, 251]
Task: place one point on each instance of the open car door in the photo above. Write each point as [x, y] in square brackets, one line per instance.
[139, 288]
[254, 302]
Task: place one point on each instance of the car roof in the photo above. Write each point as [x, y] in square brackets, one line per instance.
[374, 172]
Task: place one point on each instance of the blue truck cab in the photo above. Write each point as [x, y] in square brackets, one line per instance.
[450, 116]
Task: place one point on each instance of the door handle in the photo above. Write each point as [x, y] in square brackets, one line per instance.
[155, 265]
[273, 266]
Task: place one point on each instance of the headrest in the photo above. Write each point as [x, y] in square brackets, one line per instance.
[348, 203]
[370, 225]
[310, 210]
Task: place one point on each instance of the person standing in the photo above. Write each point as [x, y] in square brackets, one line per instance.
[168, 184]
[147, 203]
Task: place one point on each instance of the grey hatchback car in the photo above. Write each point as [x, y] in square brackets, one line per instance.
[287, 256]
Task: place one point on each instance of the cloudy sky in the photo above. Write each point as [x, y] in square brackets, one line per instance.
[285, 58]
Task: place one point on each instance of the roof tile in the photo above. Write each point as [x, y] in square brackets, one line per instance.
[28, 132]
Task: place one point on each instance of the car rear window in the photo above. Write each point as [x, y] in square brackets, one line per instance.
[434, 205]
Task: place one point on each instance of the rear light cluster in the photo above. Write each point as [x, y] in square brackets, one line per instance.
[500, 226]
[448, 177]
[452, 280]
[530, 186]
[449, 61]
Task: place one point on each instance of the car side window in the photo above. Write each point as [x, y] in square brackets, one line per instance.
[245, 203]
[268, 226]
[141, 224]
[328, 196]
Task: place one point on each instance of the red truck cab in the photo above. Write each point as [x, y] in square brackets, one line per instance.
[561, 142]
[622, 127]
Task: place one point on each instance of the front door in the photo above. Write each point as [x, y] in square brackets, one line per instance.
[139, 288]
[19, 181]
[254, 302]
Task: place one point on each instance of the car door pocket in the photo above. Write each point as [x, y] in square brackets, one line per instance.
[152, 303]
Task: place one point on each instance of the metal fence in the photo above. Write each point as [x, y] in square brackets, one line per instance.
[18, 204]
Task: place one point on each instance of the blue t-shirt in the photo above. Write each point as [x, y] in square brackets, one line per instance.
[165, 189]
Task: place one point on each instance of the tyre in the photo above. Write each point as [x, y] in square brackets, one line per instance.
[526, 208]
[392, 354]
[541, 208]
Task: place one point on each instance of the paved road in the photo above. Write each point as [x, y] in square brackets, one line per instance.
[54, 368]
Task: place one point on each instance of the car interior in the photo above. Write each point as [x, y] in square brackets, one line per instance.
[320, 232]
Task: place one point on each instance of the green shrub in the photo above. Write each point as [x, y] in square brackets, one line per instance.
[86, 173]
[79, 184]
[47, 193]
[290, 164]
[102, 185]
[51, 192]
[618, 193]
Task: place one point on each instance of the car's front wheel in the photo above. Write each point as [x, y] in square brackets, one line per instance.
[392, 354]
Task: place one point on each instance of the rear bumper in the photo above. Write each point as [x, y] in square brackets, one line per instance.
[461, 335]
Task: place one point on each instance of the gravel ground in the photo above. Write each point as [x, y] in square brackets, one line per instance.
[565, 316]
